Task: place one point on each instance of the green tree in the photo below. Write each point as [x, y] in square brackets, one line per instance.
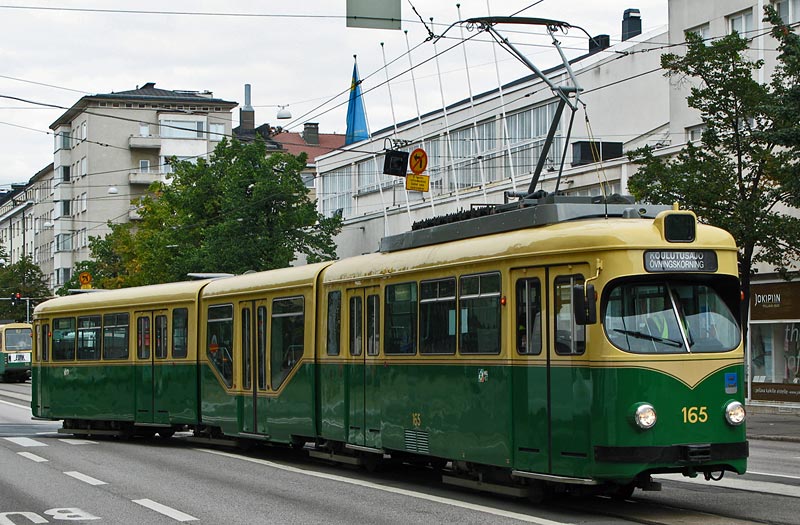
[240, 210]
[745, 169]
[26, 279]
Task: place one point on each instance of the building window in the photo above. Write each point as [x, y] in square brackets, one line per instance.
[84, 167]
[703, 31]
[65, 177]
[144, 166]
[144, 129]
[337, 191]
[64, 243]
[65, 139]
[183, 129]
[84, 132]
[789, 10]
[216, 131]
[741, 22]
[695, 133]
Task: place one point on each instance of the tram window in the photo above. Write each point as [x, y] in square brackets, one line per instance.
[89, 337]
[180, 333]
[261, 341]
[247, 330]
[334, 322]
[529, 316]
[356, 326]
[64, 339]
[44, 343]
[400, 319]
[218, 344]
[115, 336]
[373, 325]
[161, 337]
[666, 317]
[570, 337]
[479, 305]
[286, 344]
[437, 317]
[143, 337]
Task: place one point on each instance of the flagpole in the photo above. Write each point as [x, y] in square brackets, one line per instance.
[394, 123]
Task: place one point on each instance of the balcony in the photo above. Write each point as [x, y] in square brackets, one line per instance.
[149, 142]
[140, 177]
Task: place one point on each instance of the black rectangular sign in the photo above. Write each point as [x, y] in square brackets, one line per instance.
[680, 261]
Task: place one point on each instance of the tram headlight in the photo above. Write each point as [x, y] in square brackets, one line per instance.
[735, 413]
[645, 416]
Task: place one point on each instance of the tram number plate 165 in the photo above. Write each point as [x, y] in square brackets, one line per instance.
[694, 415]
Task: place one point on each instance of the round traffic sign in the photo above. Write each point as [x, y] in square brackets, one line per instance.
[418, 161]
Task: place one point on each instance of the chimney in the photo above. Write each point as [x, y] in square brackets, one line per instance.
[247, 115]
[311, 133]
[598, 43]
[631, 24]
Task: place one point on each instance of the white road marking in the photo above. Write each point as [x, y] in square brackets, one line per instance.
[78, 442]
[32, 457]
[25, 442]
[86, 479]
[166, 511]
[773, 475]
[738, 484]
[394, 490]
[24, 407]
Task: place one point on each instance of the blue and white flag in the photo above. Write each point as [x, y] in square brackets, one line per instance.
[356, 115]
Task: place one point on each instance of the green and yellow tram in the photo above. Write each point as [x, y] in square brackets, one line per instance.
[564, 345]
[16, 344]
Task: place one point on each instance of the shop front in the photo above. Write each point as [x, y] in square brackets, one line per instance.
[774, 349]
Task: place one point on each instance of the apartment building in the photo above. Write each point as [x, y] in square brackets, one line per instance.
[108, 149]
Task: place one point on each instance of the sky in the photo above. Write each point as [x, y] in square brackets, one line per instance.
[299, 54]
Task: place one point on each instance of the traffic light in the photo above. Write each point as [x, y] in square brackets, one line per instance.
[15, 298]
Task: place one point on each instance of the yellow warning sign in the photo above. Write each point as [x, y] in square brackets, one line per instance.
[418, 182]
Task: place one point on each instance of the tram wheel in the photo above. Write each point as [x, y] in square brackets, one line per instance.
[166, 434]
[623, 492]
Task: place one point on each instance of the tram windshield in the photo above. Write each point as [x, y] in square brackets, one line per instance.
[668, 318]
[18, 339]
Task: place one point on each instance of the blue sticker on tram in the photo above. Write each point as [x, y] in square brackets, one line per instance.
[731, 383]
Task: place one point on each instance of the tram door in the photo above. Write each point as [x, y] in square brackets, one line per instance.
[529, 378]
[151, 350]
[570, 386]
[254, 367]
[363, 344]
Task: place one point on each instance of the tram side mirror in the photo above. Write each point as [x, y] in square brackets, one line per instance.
[585, 304]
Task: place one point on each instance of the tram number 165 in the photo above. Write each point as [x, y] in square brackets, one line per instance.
[694, 415]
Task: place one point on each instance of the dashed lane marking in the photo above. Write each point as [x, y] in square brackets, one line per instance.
[25, 442]
[166, 511]
[32, 457]
[86, 479]
[78, 442]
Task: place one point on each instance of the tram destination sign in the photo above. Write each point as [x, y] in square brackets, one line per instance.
[680, 261]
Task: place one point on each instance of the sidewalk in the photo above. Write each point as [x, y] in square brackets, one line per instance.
[773, 424]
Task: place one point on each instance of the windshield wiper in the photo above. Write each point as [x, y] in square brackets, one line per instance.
[642, 335]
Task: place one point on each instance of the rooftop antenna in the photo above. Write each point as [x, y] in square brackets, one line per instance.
[568, 95]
